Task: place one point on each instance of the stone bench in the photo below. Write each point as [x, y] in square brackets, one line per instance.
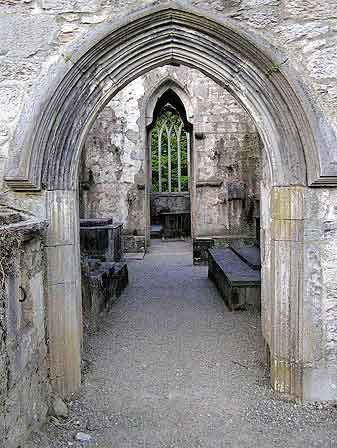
[102, 284]
[236, 273]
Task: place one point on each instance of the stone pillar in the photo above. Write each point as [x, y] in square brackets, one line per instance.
[286, 305]
[193, 163]
[64, 292]
[320, 295]
[265, 239]
[300, 322]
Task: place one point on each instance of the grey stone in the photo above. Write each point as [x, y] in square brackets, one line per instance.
[70, 5]
[4, 132]
[58, 408]
[10, 101]
[23, 36]
[23, 351]
[279, 60]
[17, 69]
[83, 437]
[92, 19]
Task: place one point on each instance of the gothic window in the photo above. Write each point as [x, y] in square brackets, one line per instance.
[170, 153]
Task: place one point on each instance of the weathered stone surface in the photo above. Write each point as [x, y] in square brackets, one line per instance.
[61, 261]
[287, 230]
[65, 337]
[64, 292]
[288, 203]
[313, 304]
[32, 204]
[70, 5]
[58, 408]
[309, 9]
[10, 101]
[92, 19]
[102, 284]
[114, 154]
[4, 133]
[23, 36]
[304, 34]
[17, 69]
[83, 437]
[61, 208]
[24, 382]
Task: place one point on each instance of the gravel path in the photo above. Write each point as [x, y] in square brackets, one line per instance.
[172, 367]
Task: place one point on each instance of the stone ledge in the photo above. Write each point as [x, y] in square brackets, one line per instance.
[16, 222]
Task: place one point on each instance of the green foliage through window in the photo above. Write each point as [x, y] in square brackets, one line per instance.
[168, 126]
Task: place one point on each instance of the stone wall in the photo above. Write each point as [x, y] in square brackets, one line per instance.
[35, 38]
[169, 202]
[226, 157]
[227, 162]
[113, 162]
[25, 391]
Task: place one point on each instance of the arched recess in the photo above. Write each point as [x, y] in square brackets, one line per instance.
[53, 127]
[168, 91]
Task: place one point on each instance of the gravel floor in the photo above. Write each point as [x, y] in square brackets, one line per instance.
[172, 367]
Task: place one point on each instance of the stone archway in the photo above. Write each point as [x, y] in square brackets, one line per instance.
[182, 100]
[47, 151]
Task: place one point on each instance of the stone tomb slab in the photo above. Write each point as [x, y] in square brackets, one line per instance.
[249, 254]
[238, 284]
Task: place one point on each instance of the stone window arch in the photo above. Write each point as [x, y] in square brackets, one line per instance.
[169, 154]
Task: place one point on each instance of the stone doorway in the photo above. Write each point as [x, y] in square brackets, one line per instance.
[46, 159]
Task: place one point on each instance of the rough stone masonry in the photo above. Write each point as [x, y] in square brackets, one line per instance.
[60, 64]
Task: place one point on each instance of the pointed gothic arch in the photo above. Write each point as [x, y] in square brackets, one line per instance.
[60, 111]
[93, 70]
[170, 91]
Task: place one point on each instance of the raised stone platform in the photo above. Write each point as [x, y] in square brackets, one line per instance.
[249, 254]
[102, 284]
[157, 231]
[101, 238]
[236, 273]
[96, 222]
[134, 244]
[201, 244]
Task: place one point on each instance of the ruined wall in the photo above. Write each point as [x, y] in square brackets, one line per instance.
[33, 44]
[226, 157]
[113, 162]
[34, 35]
[166, 202]
[227, 163]
[24, 381]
